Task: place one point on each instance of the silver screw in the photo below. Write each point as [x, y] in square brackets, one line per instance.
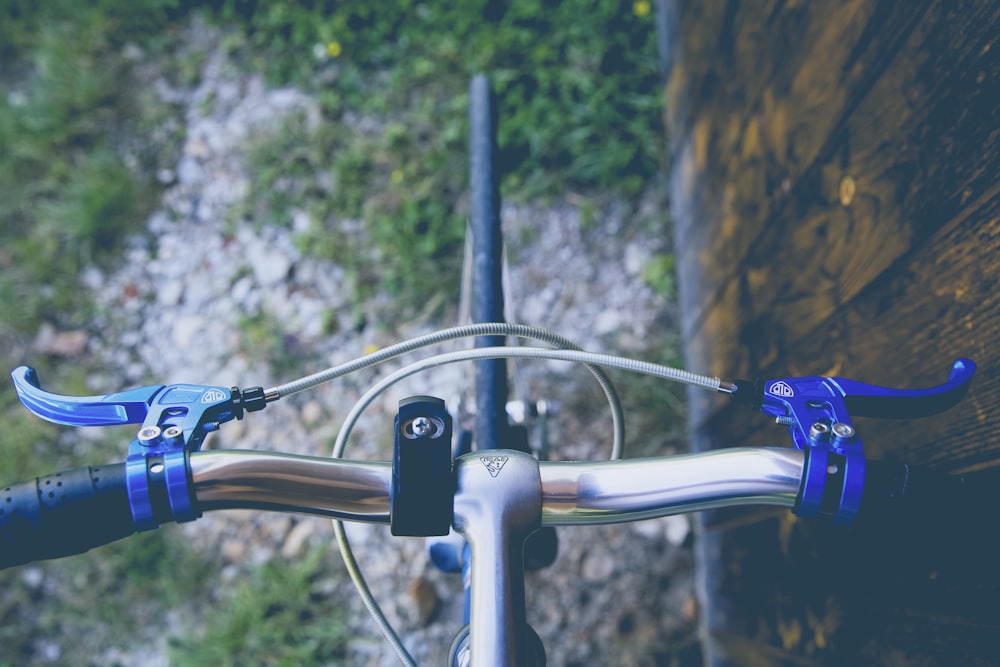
[421, 426]
[842, 430]
[149, 436]
[819, 430]
[785, 421]
[173, 434]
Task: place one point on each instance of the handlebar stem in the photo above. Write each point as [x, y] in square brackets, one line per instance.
[498, 503]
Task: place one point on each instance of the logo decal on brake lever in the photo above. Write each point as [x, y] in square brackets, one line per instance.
[213, 396]
[494, 464]
[781, 388]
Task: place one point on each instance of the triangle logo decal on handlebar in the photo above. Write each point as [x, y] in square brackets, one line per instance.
[494, 464]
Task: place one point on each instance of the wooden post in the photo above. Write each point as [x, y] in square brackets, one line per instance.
[836, 194]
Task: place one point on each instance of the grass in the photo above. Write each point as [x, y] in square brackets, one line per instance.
[578, 83]
[280, 615]
[105, 596]
[580, 111]
[68, 199]
[578, 101]
[77, 178]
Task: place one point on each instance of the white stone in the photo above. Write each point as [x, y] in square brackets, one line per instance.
[270, 267]
[677, 528]
[607, 322]
[297, 538]
[188, 329]
[189, 171]
[170, 292]
[635, 257]
[312, 412]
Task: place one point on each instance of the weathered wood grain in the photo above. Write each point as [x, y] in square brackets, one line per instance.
[762, 220]
[836, 191]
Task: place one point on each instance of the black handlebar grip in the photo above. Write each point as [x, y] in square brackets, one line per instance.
[915, 517]
[906, 493]
[63, 514]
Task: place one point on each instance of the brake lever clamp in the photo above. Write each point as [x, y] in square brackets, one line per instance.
[817, 412]
[175, 420]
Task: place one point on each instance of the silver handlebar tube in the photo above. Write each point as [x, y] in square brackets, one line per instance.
[501, 496]
[239, 479]
[636, 489]
[572, 492]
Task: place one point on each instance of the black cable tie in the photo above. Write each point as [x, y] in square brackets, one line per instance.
[250, 400]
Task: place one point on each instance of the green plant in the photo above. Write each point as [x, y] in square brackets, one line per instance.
[66, 197]
[577, 83]
[404, 200]
[106, 597]
[262, 336]
[280, 615]
[579, 107]
[24, 439]
[657, 409]
[659, 273]
[75, 183]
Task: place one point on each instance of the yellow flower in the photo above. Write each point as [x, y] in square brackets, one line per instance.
[396, 176]
[334, 49]
[641, 8]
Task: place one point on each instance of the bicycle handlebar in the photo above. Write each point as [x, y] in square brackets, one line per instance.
[73, 511]
[76, 510]
[498, 500]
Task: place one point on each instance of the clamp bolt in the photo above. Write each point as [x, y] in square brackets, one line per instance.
[173, 435]
[819, 431]
[150, 436]
[842, 430]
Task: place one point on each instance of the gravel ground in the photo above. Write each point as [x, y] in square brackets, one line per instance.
[618, 595]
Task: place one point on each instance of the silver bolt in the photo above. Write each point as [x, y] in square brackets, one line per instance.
[173, 434]
[421, 426]
[819, 430]
[842, 430]
[784, 421]
[149, 436]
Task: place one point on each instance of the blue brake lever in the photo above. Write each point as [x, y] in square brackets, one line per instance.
[195, 409]
[127, 407]
[818, 411]
[800, 402]
[175, 420]
[865, 400]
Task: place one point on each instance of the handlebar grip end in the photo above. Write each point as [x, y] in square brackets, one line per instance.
[63, 514]
[902, 505]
